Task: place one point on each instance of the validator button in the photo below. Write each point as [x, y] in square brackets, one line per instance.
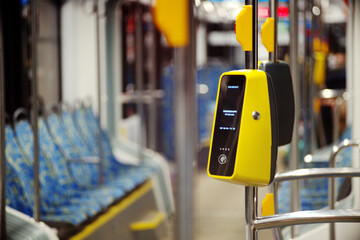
[222, 159]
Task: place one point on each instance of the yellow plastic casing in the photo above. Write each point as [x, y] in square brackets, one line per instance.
[268, 205]
[172, 19]
[254, 156]
[243, 28]
[267, 34]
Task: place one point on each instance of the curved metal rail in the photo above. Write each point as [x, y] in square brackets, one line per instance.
[306, 217]
[331, 173]
[316, 173]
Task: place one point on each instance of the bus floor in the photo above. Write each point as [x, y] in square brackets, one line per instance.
[220, 210]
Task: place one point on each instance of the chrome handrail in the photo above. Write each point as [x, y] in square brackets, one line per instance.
[335, 151]
[320, 173]
[300, 174]
[306, 217]
[301, 217]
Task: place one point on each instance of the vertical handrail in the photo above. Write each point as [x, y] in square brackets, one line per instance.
[332, 162]
[294, 154]
[2, 139]
[185, 131]
[274, 58]
[152, 87]
[251, 59]
[139, 77]
[34, 105]
[98, 66]
[274, 7]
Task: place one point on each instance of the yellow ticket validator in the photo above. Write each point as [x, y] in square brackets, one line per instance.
[244, 138]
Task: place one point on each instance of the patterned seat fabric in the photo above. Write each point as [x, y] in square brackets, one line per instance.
[88, 123]
[72, 132]
[111, 191]
[57, 129]
[86, 173]
[64, 181]
[20, 187]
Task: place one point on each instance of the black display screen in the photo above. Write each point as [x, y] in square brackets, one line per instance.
[227, 125]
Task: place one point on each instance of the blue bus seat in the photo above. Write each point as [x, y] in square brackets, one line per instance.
[88, 125]
[21, 183]
[55, 126]
[102, 195]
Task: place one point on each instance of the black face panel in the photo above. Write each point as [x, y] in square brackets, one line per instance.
[227, 125]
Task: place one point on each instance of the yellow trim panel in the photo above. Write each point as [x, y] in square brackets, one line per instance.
[152, 223]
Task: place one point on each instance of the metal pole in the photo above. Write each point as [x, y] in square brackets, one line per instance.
[251, 205]
[2, 140]
[274, 7]
[185, 132]
[294, 154]
[35, 108]
[139, 73]
[251, 59]
[98, 66]
[152, 88]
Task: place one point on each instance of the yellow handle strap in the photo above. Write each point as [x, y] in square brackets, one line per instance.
[243, 28]
[267, 34]
[172, 19]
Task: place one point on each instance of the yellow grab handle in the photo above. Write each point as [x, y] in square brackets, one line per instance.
[268, 205]
[172, 19]
[243, 28]
[267, 34]
[319, 68]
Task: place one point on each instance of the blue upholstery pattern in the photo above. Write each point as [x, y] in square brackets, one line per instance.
[140, 172]
[72, 131]
[88, 123]
[70, 150]
[21, 172]
[120, 182]
[102, 196]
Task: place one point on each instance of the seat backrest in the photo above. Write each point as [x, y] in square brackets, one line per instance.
[87, 131]
[74, 135]
[58, 135]
[19, 173]
[88, 172]
[91, 124]
[55, 152]
[49, 152]
[15, 196]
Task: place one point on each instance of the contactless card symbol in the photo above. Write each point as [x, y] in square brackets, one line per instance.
[222, 159]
